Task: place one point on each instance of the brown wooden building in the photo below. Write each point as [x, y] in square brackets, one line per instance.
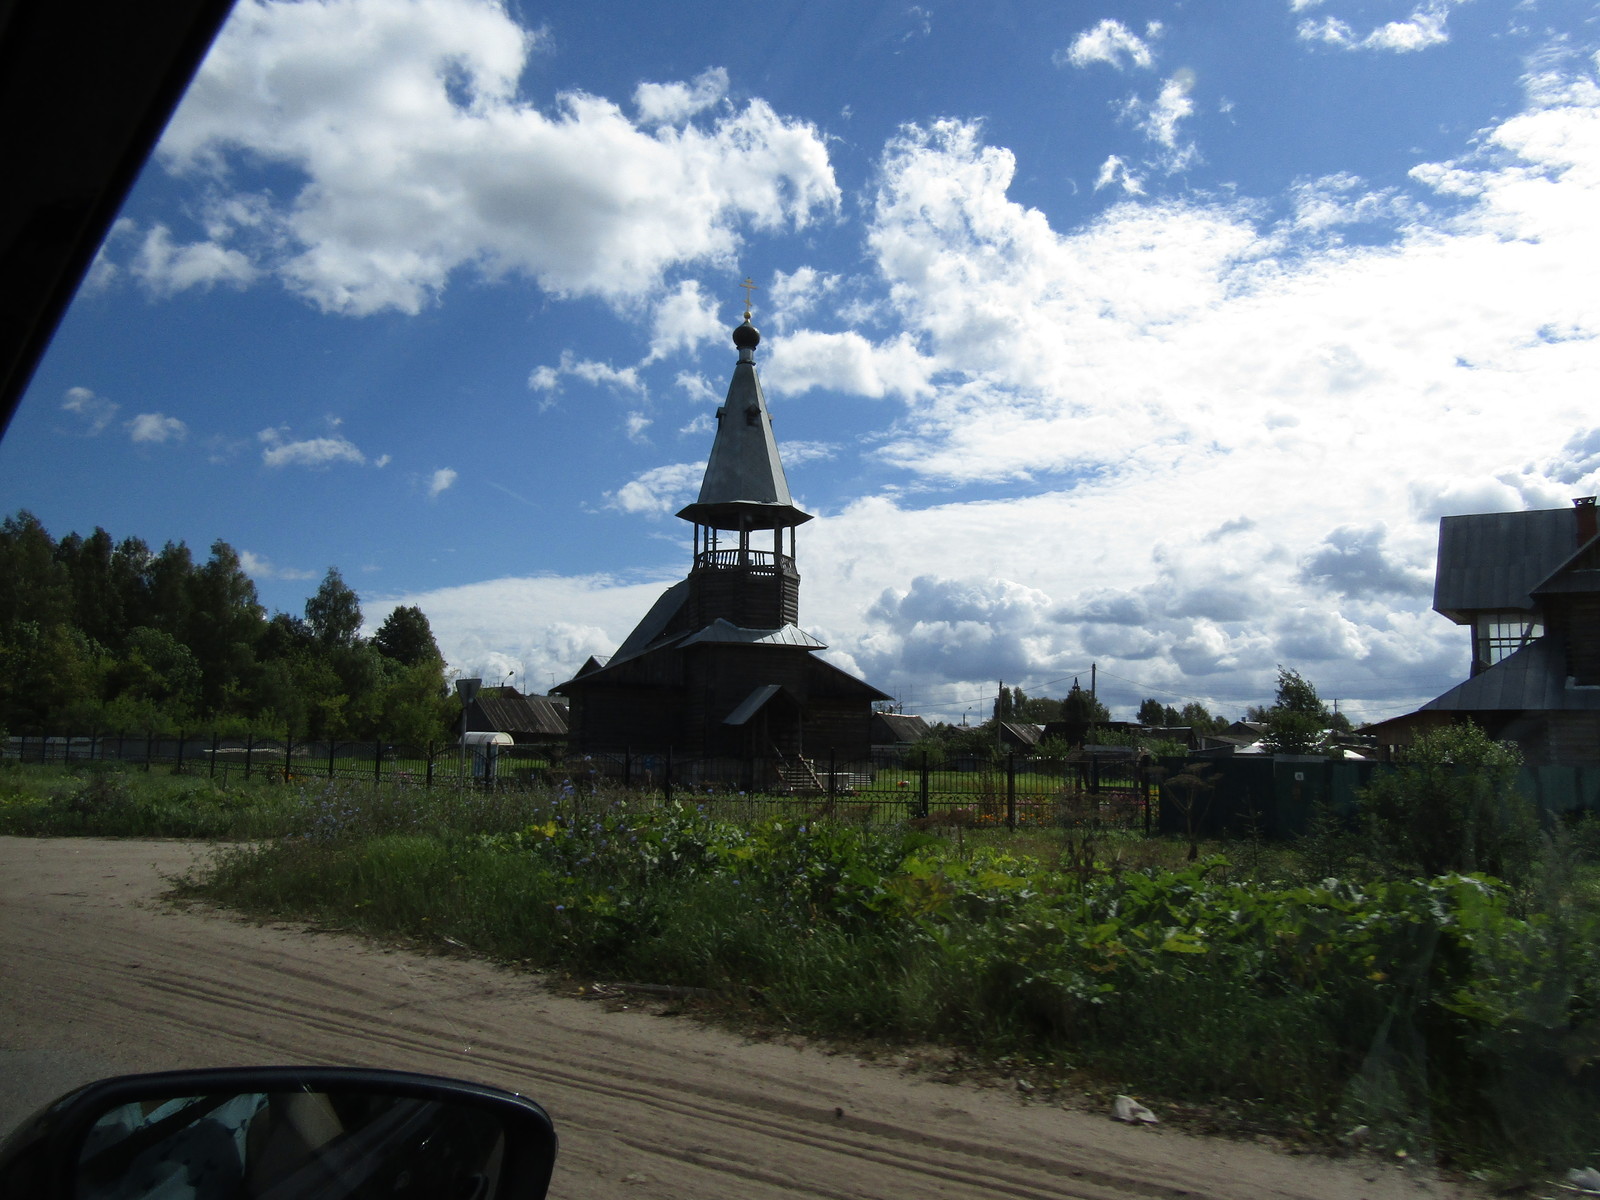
[1528, 586]
[719, 668]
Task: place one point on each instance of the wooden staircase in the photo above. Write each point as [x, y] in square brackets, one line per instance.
[797, 775]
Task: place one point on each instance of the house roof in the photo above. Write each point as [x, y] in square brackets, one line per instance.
[1495, 561]
[1022, 733]
[1579, 574]
[892, 728]
[649, 628]
[1534, 677]
[505, 710]
[744, 485]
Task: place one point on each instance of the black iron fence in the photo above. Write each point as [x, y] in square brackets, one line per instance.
[1012, 791]
[1255, 796]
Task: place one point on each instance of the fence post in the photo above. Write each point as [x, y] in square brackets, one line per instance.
[249, 751]
[288, 755]
[377, 763]
[922, 788]
[627, 767]
[833, 777]
[1143, 776]
[149, 748]
[429, 783]
[94, 747]
[181, 735]
[120, 738]
[331, 746]
[666, 779]
[1011, 789]
[216, 741]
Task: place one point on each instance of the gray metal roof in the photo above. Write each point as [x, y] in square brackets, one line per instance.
[725, 631]
[1534, 677]
[744, 484]
[1494, 561]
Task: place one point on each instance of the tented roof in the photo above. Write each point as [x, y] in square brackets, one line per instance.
[744, 485]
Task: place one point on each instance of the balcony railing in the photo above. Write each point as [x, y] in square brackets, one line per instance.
[764, 561]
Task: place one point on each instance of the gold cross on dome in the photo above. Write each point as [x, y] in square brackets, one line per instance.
[749, 285]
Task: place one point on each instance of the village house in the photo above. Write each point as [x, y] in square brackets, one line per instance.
[1527, 587]
[528, 720]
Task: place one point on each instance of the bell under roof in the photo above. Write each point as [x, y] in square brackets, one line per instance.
[744, 485]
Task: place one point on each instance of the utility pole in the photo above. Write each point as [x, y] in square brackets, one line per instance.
[1094, 671]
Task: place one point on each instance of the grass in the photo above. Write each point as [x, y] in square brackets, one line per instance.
[1451, 1016]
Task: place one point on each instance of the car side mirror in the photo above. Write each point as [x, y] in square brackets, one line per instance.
[277, 1133]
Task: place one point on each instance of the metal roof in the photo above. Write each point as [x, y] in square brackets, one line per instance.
[1494, 561]
[725, 631]
[744, 485]
[1534, 677]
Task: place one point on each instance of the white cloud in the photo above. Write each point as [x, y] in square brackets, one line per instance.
[420, 160]
[279, 451]
[156, 428]
[636, 423]
[659, 491]
[1426, 26]
[845, 362]
[1343, 199]
[696, 387]
[598, 374]
[674, 103]
[166, 269]
[683, 319]
[259, 567]
[1109, 42]
[96, 411]
[797, 452]
[1114, 171]
[1174, 104]
[442, 481]
[794, 295]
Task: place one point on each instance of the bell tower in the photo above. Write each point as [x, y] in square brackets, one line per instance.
[743, 498]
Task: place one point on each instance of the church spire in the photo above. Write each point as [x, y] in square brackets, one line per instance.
[744, 492]
[744, 486]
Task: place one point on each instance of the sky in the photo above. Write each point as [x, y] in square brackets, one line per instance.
[1153, 338]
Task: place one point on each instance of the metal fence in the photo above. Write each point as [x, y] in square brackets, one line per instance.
[1013, 791]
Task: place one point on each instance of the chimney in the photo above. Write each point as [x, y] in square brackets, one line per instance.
[1584, 511]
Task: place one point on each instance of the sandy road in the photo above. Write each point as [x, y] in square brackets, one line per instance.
[98, 976]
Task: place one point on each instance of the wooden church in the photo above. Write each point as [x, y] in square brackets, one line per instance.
[719, 669]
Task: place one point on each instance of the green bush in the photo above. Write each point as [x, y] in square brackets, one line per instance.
[1452, 804]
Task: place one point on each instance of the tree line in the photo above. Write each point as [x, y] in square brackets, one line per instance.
[99, 635]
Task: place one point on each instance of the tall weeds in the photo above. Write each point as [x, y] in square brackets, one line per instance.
[1443, 1013]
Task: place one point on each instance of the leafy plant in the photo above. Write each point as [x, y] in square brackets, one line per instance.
[1452, 805]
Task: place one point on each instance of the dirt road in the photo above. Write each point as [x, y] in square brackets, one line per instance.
[98, 976]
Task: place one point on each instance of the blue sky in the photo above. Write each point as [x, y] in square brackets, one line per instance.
[1156, 336]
